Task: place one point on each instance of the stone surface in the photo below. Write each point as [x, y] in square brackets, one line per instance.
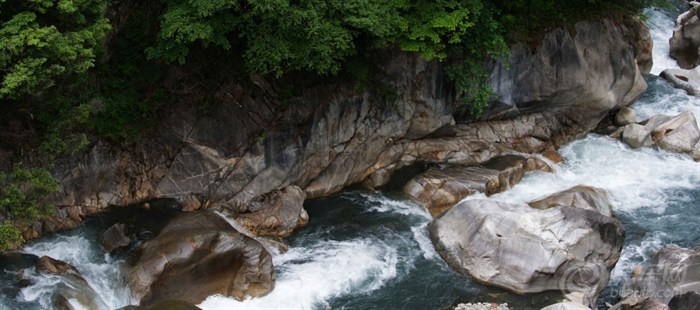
[625, 116]
[251, 143]
[635, 302]
[584, 197]
[114, 238]
[440, 188]
[686, 301]
[276, 214]
[529, 250]
[678, 134]
[688, 80]
[637, 136]
[685, 42]
[197, 255]
[672, 271]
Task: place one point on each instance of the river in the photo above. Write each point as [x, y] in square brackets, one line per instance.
[370, 250]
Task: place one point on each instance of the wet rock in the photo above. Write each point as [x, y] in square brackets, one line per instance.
[276, 214]
[584, 197]
[625, 116]
[637, 136]
[114, 238]
[15, 261]
[196, 255]
[672, 271]
[685, 42]
[165, 305]
[678, 134]
[73, 287]
[529, 250]
[439, 188]
[688, 80]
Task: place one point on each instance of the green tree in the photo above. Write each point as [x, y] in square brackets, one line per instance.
[43, 41]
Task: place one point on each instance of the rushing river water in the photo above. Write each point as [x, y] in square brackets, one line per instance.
[365, 250]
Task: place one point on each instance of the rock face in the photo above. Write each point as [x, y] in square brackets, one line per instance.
[199, 254]
[438, 189]
[252, 144]
[688, 80]
[529, 250]
[674, 271]
[165, 305]
[685, 43]
[678, 134]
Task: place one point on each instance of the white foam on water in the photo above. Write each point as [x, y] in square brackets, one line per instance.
[99, 270]
[420, 235]
[381, 204]
[661, 27]
[634, 178]
[308, 277]
[633, 255]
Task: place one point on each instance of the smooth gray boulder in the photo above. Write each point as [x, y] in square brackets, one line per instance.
[637, 136]
[584, 197]
[196, 255]
[625, 116]
[678, 134]
[688, 80]
[672, 271]
[528, 250]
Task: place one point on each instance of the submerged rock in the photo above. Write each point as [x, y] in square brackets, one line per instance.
[528, 250]
[440, 188]
[72, 288]
[197, 255]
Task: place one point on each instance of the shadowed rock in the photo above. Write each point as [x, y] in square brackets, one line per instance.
[197, 255]
[114, 238]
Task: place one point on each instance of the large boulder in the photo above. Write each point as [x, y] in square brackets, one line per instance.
[685, 43]
[678, 134]
[673, 271]
[114, 238]
[440, 188]
[528, 250]
[688, 80]
[276, 214]
[196, 255]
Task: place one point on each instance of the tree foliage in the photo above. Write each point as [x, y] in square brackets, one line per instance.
[44, 40]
